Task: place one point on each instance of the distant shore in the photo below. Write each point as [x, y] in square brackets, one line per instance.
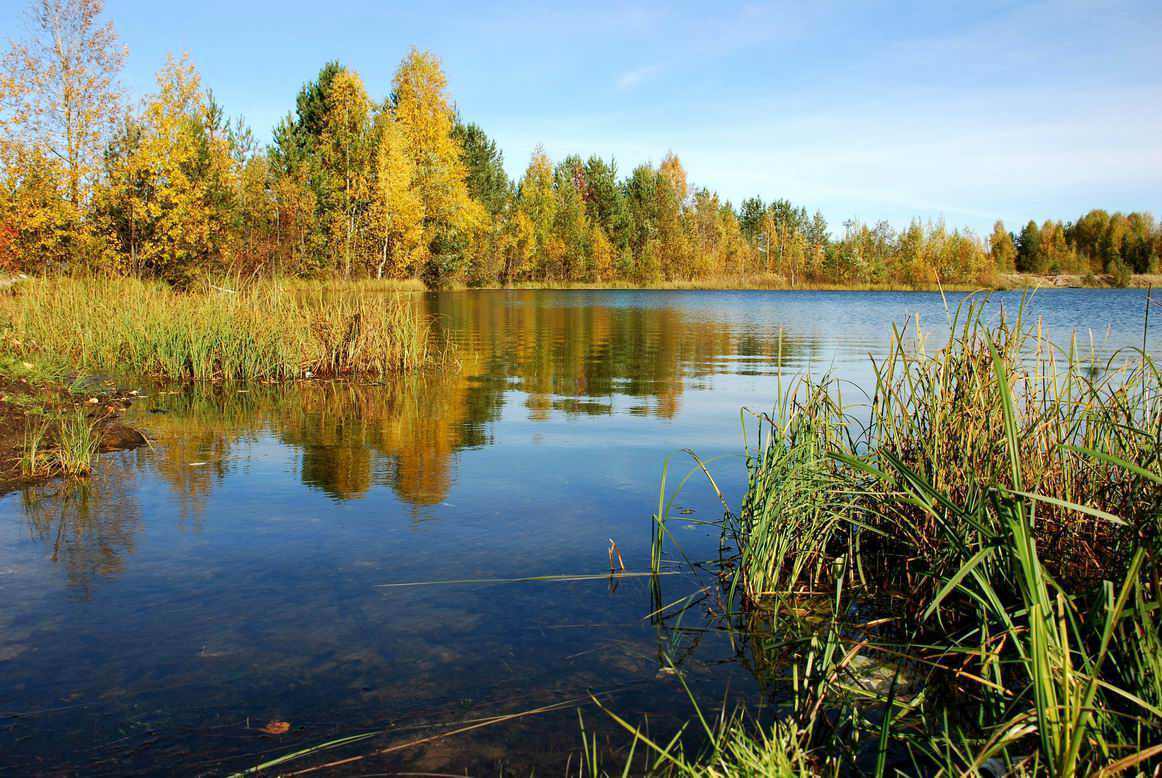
[1005, 282]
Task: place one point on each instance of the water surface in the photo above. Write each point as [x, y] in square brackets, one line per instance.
[155, 616]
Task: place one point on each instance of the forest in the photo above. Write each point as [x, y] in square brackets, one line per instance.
[390, 181]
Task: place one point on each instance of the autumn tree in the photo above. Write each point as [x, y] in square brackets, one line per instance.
[735, 254]
[426, 120]
[518, 245]
[36, 222]
[818, 237]
[1143, 244]
[571, 226]
[673, 242]
[255, 244]
[404, 187]
[59, 92]
[709, 234]
[537, 204]
[719, 247]
[397, 212]
[784, 228]
[59, 100]
[1002, 248]
[1058, 255]
[1104, 241]
[345, 157]
[602, 254]
[167, 202]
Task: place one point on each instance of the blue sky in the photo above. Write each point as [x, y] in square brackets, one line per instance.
[970, 111]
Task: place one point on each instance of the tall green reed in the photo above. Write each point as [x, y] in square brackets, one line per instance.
[992, 512]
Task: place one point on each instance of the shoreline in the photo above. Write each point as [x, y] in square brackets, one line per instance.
[1004, 283]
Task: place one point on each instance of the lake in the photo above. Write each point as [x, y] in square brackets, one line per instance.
[347, 558]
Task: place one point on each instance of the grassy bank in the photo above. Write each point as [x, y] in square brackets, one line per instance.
[957, 574]
[266, 331]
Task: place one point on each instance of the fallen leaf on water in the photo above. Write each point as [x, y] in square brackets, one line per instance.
[276, 728]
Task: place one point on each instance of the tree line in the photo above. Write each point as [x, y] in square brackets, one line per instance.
[398, 185]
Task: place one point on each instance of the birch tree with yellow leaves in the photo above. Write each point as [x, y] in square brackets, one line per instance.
[674, 244]
[59, 88]
[59, 101]
[397, 211]
[537, 203]
[426, 119]
[345, 149]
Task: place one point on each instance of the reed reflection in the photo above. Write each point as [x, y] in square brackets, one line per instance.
[88, 527]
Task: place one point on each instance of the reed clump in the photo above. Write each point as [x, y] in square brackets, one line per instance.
[261, 331]
[983, 527]
[834, 469]
[65, 443]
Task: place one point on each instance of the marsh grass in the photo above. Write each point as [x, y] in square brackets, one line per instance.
[263, 331]
[736, 748]
[78, 443]
[991, 512]
[64, 443]
[899, 481]
[33, 453]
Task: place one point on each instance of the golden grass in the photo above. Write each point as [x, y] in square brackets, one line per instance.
[268, 331]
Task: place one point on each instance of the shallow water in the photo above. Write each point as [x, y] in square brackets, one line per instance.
[154, 617]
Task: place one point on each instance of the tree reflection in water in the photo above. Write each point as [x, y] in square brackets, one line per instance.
[546, 353]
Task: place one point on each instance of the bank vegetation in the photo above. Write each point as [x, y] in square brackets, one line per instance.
[956, 574]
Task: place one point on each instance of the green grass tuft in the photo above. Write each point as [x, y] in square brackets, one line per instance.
[61, 444]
